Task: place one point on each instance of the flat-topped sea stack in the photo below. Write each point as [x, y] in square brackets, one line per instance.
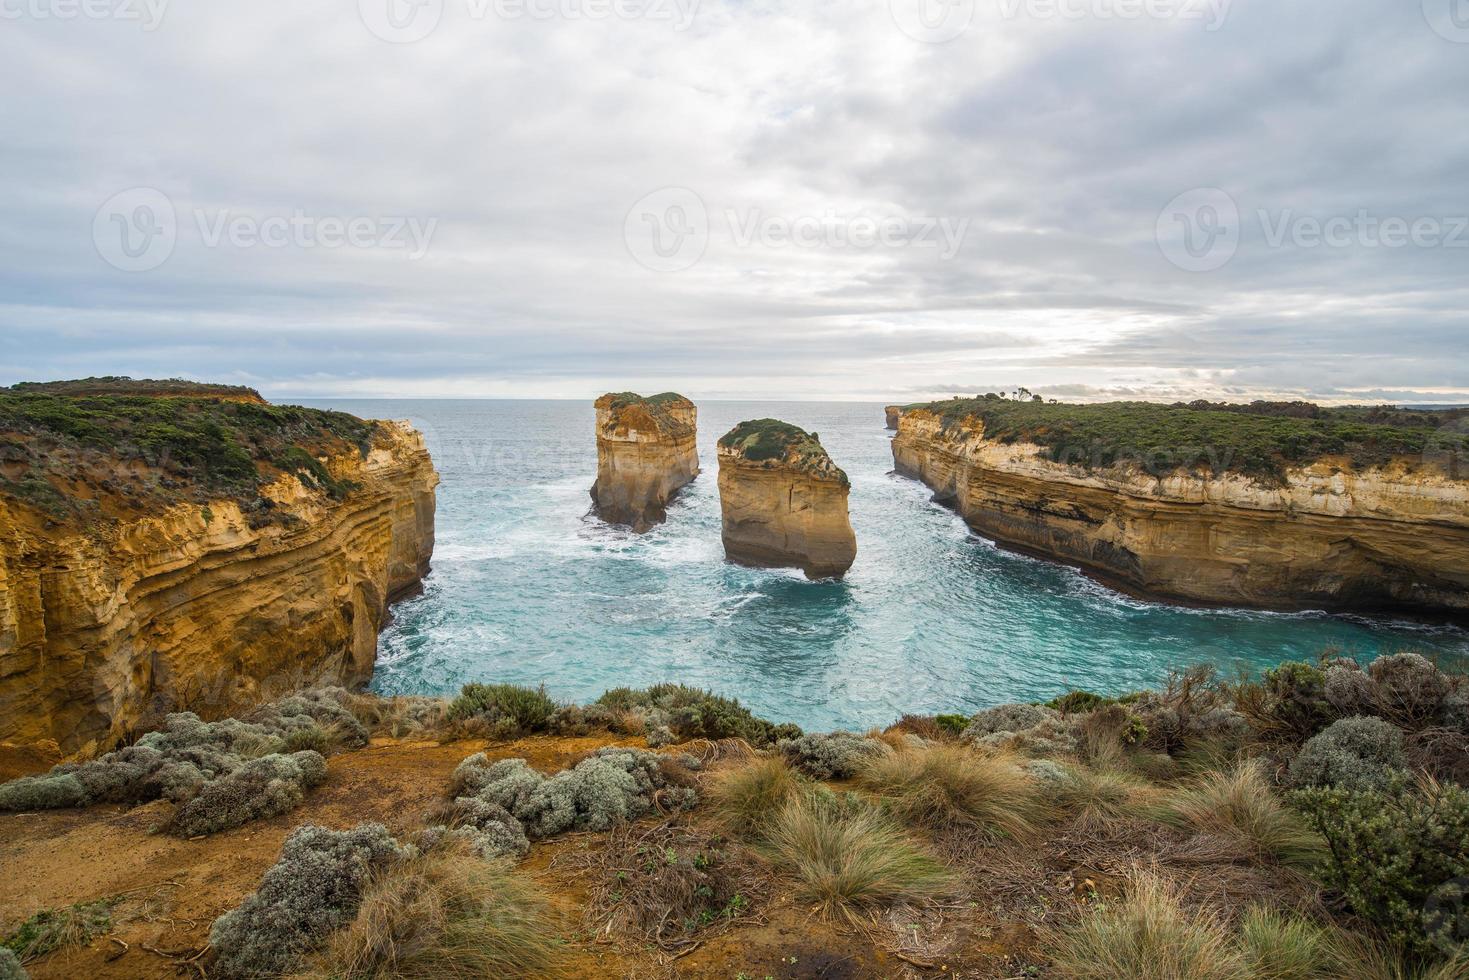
[167, 547]
[784, 502]
[1272, 504]
[645, 453]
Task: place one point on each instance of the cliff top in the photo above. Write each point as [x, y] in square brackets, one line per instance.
[647, 414]
[1260, 439]
[170, 388]
[771, 440]
[99, 456]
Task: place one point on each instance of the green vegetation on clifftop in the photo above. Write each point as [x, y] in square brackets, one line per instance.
[1261, 439]
[758, 440]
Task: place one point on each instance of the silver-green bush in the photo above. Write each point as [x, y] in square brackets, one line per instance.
[313, 889]
[830, 755]
[1353, 753]
[10, 968]
[490, 829]
[263, 787]
[1007, 718]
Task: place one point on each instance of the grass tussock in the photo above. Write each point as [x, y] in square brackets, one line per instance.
[746, 799]
[1097, 800]
[1149, 935]
[51, 929]
[846, 854]
[1240, 807]
[443, 915]
[950, 787]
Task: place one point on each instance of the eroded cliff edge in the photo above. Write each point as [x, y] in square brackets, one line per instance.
[783, 501]
[646, 452]
[161, 554]
[1368, 526]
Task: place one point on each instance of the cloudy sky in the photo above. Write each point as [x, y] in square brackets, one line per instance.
[881, 199]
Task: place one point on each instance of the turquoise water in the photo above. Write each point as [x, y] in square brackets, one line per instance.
[527, 588]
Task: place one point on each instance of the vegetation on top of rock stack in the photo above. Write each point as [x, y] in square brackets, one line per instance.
[1261, 439]
[646, 413]
[762, 440]
[622, 399]
[66, 453]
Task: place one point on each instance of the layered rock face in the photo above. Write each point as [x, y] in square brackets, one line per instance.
[645, 454]
[207, 608]
[893, 414]
[1331, 535]
[783, 501]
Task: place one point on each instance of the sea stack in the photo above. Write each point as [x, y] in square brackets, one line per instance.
[894, 414]
[645, 453]
[784, 502]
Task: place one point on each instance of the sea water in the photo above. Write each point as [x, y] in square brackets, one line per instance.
[527, 587]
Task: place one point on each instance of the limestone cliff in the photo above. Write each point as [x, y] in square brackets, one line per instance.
[783, 500]
[148, 604]
[645, 454]
[1329, 534]
[893, 414]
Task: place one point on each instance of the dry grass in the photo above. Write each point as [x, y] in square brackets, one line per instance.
[846, 854]
[1147, 936]
[444, 915]
[950, 787]
[1240, 807]
[746, 799]
[671, 885]
[1273, 946]
[1096, 800]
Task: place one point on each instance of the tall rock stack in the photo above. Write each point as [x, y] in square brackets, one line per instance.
[645, 454]
[894, 414]
[783, 500]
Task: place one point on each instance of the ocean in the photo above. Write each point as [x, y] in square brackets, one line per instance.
[527, 587]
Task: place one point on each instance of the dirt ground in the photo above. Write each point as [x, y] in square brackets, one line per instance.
[171, 890]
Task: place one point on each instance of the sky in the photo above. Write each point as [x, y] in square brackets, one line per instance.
[875, 199]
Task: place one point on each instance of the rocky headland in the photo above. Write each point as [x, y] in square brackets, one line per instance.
[893, 413]
[645, 453]
[166, 548]
[1272, 505]
[783, 500]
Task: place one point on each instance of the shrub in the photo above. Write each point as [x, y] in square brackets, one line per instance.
[748, 797]
[264, 787]
[947, 787]
[327, 708]
[519, 709]
[51, 929]
[489, 829]
[42, 793]
[443, 914]
[611, 786]
[846, 854]
[953, 724]
[313, 889]
[316, 739]
[1240, 808]
[1007, 718]
[1290, 703]
[10, 968]
[690, 712]
[1395, 854]
[1408, 689]
[1078, 702]
[830, 755]
[1148, 935]
[1352, 752]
